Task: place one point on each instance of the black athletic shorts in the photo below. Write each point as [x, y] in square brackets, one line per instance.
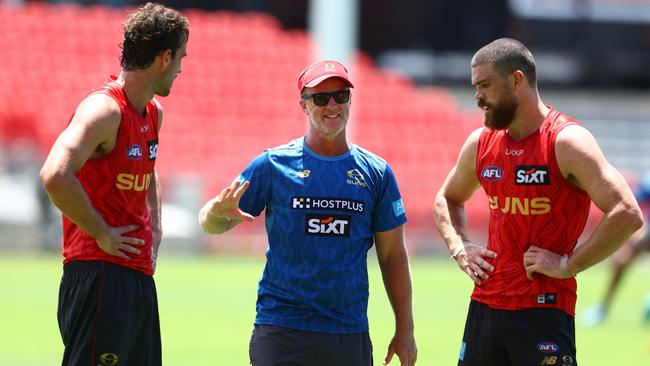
[108, 315]
[517, 338]
[277, 346]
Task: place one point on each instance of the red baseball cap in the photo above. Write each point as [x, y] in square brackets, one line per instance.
[315, 74]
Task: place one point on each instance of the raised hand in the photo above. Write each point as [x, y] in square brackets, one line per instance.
[226, 203]
[222, 213]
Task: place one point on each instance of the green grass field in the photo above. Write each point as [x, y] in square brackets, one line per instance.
[207, 307]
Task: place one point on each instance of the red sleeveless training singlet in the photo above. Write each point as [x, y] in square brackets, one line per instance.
[531, 203]
[117, 184]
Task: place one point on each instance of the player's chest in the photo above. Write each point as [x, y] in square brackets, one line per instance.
[516, 165]
[345, 190]
[137, 142]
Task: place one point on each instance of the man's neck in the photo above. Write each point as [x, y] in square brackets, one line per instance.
[527, 120]
[138, 89]
[327, 145]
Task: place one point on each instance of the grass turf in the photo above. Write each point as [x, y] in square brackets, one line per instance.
[207, 306]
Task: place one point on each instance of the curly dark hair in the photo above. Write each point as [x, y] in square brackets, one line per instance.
[150, 30]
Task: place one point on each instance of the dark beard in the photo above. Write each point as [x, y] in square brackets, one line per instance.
[501, 114]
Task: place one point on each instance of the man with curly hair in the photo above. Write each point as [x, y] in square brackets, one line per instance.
[100, 173]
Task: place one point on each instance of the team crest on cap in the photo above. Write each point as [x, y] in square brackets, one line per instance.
[329, 67]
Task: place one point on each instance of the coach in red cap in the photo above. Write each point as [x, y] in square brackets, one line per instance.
[318, 72]
[326, 202]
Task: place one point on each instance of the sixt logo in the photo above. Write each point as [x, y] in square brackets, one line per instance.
[153, 149]
[134, 152]
[532, 175]
[327, 225]
[492, 173]
[548, 347]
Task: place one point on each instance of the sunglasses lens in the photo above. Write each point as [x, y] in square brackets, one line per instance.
[342, 96]
[321, 99]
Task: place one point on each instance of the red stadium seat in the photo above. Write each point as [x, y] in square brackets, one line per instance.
[235, 97]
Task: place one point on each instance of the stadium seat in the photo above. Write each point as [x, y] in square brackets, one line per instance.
[235, 97]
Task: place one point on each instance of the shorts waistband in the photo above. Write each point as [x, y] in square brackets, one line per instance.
[77, 266]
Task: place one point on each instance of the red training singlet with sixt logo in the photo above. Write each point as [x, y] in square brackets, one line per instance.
[531, 203]
[117, 184]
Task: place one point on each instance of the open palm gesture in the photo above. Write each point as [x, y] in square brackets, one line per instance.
[226, 203]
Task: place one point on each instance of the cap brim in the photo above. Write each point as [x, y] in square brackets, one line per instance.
[322, 78]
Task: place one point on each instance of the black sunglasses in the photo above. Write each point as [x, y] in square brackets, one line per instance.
[321, 99]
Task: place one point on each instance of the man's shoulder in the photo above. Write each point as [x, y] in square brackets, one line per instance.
[571, 133]
[291, 149]
[101, 101]
[368, 156]
[362, 150]
[564, 129]
[558, 121]
[98, 108]
[278, 155]
[562, 117]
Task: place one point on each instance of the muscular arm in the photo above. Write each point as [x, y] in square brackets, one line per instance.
[154, 204]
[90, 134]
[449, 212]
[583, 165]
[457, 189]
[393, 261]
[154, 199]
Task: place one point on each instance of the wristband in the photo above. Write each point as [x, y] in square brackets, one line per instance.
[563, 261]
[457, 251]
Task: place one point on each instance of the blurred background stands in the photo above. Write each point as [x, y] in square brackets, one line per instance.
[413, 104]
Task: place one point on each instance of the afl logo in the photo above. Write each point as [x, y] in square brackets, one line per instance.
[548, 347]
[134, 152]
[492, 173]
